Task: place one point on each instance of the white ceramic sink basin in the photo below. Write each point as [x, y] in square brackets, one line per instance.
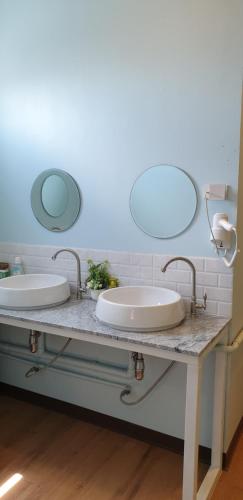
[140, 308]
[33, 291]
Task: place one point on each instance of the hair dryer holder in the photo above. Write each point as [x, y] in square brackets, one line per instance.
[222, 232]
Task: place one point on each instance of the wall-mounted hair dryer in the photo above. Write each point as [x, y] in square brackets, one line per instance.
[221, 236]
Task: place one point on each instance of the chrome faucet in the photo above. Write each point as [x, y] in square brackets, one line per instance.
[194, 303]
[79, 285]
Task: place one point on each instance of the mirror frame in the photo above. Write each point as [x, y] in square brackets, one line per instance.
[194, 213]
[73, 207]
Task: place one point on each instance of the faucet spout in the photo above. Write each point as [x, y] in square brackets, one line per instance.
[79, 286]
[194, 304]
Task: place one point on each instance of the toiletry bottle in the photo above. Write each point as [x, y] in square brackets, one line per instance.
[17, 267]
[4, 270]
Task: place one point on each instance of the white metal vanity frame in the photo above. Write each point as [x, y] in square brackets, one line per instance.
[193, 396]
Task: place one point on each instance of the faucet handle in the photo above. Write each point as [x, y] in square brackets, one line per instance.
[205, 301]
[204, 304]
[83, 290]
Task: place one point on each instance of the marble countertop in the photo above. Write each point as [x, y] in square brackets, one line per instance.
[192, 337]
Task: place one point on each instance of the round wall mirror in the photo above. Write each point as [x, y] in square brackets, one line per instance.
[163, 201]
[55, 200]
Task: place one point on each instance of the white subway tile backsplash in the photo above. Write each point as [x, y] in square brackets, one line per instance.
[212, 307]
[186, 290]
[96, 255]
[226, 280]
[146, 273]
[48, 263]
[84, 254]
[224, 309]
[125, 271]
[161, 260]
[197, 261]
[139, 259]
[216, 266]
[166, 284]
[5, 257]
[118, 257]
[208, 279]
[134, 282]
[219, 294]
[134, 268]
[171, 275]
[178, 276]
[187, 304]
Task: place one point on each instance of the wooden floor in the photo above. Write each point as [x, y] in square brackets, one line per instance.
[62, 458]
[230, 485]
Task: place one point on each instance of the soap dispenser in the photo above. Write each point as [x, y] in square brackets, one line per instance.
[17, 267]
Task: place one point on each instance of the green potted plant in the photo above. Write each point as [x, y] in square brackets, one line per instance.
[98, 277]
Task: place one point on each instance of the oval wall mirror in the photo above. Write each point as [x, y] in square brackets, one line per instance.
[54, 195]
[163, 201]
[55, 200]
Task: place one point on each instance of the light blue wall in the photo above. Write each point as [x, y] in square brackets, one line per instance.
[105, 90]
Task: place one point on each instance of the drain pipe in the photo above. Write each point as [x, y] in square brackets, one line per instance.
[232, 347]
[138, 365]
[36, 369]
[128, 389]
[33, 341]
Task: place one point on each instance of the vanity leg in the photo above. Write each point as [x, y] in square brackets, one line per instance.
[192, 428]
[214, 472]
[218, 409]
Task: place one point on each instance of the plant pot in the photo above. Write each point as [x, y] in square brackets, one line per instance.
[94, 294]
